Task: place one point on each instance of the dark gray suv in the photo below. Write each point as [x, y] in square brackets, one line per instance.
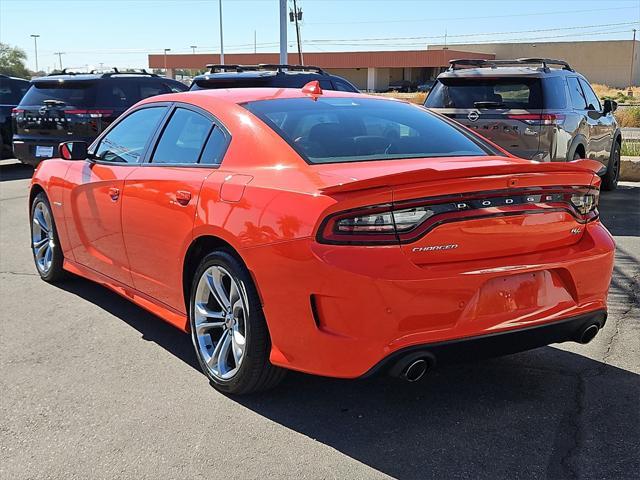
[539, 109]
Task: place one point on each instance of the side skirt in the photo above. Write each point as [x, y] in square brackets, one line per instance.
[166, 313]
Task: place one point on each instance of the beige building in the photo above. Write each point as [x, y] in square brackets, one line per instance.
[607, 61]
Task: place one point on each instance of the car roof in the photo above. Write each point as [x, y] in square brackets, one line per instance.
[14, 78]
[535, 72]
[83, 77]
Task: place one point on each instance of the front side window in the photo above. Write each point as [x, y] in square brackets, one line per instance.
[183, 138]
[578, 100]
[331, 130]
[592, 99]
[126, 142]
[12, 91]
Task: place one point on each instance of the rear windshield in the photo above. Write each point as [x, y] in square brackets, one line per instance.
[491, 93]
[117, 93]
[77, 94]
[11, 91]
[331, 130]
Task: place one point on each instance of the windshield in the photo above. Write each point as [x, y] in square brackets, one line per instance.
[77, 94]
[330, 130]
[490, 93]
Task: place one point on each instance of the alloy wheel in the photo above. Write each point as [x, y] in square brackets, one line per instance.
[42, 240]
[220, 312]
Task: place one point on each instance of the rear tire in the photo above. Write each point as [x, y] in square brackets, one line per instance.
[228, 328]
[611, 178]
[45, 245]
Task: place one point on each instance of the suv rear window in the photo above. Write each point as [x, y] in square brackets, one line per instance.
[281, 81]
[11, 91]
[496, 93]
[331, 130]
[77, 94]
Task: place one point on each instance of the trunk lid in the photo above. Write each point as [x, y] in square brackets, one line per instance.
[479, 208]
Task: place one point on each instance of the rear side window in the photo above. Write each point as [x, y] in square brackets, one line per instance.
[495, 93]
[12, 91]
[331, 130]
[183, 138]
[578, 100]
[555, 93]
[592, 99]
[215, 148]
[72, 93]
[126, 142]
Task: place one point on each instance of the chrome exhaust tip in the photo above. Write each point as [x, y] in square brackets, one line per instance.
[415, 370]
[589, 333]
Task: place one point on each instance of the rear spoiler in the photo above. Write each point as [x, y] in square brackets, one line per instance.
[462, 171]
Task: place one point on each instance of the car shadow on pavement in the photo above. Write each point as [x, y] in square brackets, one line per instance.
[15, 171]
[620, 210]
[545, 413]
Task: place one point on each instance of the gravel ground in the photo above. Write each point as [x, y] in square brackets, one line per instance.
[94, 387]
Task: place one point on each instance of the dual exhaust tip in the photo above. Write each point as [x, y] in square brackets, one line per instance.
[414, 368]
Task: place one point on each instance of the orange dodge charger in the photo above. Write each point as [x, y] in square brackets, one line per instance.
[332, 233]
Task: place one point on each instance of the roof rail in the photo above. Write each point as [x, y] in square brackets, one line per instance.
[214, 68]
[132, 71]
[481, 62]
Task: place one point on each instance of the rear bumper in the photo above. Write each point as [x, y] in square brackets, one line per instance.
[338, 311]
[24, 149]
[492, 345]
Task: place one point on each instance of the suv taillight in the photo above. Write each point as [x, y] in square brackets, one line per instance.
[16, 111]
[538, 119]
[90, 113]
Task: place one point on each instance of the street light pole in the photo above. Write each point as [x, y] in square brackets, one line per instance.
[283, 32]
[35, 44]
[296, 14]
[221, 37]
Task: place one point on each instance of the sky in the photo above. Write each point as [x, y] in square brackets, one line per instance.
[123, 32]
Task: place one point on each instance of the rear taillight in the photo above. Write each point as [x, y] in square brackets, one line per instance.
[407, 221]
[16, 111]
[90, 113]
[538, 119]
[586, 202]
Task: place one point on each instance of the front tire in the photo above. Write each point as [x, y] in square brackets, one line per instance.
[45, 246]
[228, 328]
[611, 178]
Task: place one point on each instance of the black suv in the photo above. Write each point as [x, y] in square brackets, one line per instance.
[77, 106]
[267, 75]
[11, 92]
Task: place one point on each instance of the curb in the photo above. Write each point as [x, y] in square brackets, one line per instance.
[630, 169]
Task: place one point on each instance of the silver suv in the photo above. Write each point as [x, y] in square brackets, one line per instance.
[536, 108]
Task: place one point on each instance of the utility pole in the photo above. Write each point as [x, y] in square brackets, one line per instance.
[297, 15]
[193, 49]
[633, 54]
[35, 44]
[221, 39]
[59, 58]
[283, 32]
[255, 42]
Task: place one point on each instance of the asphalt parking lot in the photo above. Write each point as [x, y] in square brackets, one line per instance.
[95, 387]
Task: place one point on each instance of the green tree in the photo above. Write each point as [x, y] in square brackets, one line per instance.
[12, 61]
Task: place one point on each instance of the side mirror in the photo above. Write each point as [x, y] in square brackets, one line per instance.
[609, 106]
[73, 150]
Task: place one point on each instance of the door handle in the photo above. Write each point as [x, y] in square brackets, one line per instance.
[183, 197]
[114, 193]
